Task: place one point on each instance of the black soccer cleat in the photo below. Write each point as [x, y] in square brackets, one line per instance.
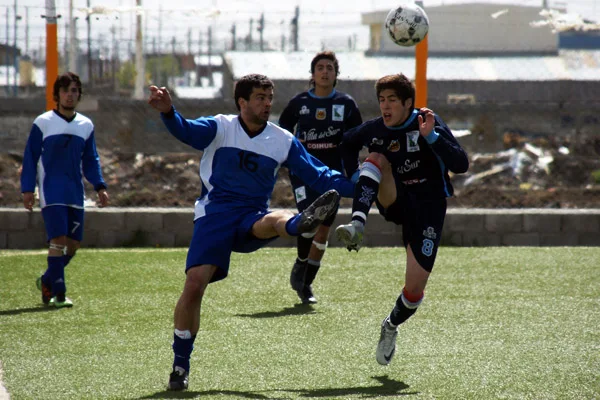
[298, 275]
[306, 295]
[45, 289]
[318, 211]
[178, 380]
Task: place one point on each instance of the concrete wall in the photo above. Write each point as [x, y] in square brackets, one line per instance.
[562, 108]
[165, 227]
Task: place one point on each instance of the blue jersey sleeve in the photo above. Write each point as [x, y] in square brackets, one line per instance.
[90, 162]
[31, 156]
[198, 133]
[316, 174]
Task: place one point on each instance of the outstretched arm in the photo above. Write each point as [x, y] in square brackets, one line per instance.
[196, 133]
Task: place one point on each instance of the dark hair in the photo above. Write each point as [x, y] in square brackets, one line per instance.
[63, 81]
[400, 84]
[328, 55]
[243, 87]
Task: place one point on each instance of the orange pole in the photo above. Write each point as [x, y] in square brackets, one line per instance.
[421, 53]
[51, 52]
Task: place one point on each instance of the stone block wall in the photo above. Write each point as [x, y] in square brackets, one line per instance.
[172, 227]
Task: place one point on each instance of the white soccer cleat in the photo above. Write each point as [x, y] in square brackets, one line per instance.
[387, 343]
[351, 234]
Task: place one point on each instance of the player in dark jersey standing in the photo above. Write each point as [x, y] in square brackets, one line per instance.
[320, 117]
[406, 175]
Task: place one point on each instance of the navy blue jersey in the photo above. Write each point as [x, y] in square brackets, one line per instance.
[418, 163]
[320, 123]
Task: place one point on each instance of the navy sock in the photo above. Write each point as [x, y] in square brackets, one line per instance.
[365, 191]
[404, 309]
[67, 259]
[311, 271]
[56, 273]
[304, 245]
[182, 349]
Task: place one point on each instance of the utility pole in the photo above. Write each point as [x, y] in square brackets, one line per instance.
[140, 68]
[6, 56]
[249, 38]
[89, 46]
[173, 61]
[160, 13]
[209, 70]
[189, 41]
[72, 40]
[113, 31]
[51, 52]
[261, 28]
[294, 28]
[27, 30]
[15, 52]
[282, 35]
[233, 39]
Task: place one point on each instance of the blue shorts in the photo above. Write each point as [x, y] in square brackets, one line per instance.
[305, 196]
[217, 235]
[63, 221]
[422, 220]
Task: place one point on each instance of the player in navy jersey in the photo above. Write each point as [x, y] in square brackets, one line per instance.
[241, 156]
[319, 117]
[61, 147]
[406, 175]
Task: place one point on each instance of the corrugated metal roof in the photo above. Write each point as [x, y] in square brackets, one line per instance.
[568, 65]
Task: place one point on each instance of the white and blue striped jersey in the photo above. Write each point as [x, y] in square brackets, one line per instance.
[58, 154]
[239, 171]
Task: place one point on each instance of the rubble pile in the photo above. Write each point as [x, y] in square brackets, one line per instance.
[528, 173]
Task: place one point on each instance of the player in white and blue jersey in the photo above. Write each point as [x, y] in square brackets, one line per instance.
[319, 117]
[241, 157]
[60, 152]
[406, 175]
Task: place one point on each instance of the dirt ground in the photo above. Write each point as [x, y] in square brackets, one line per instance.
[536, 174]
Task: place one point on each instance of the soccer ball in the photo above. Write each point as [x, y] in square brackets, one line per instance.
[407, 24]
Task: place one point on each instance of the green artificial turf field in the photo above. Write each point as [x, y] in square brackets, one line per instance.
[496, 323]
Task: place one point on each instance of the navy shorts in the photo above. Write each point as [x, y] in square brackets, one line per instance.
[217, 235]
[305, 196]
[63, 221]
[422, 220]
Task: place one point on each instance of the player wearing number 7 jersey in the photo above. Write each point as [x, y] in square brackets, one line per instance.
[241, 157]
[60, 151]
[406, 175]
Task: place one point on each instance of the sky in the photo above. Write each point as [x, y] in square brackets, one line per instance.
[330, 23]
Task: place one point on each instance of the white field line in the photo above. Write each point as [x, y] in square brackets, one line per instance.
[3, 393]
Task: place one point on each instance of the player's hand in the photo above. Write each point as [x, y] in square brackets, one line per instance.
[102, 198]
[426, 125]
[28, 200]
[160, 99]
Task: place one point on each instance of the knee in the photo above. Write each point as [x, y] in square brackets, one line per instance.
[378, 159]
[193, 289]
[72, 248]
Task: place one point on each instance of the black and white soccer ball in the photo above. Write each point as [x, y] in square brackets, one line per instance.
[407, 24]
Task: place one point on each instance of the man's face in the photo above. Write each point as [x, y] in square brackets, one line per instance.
[391, 107]
[258, 108]
[324, 74]
[68, 97]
